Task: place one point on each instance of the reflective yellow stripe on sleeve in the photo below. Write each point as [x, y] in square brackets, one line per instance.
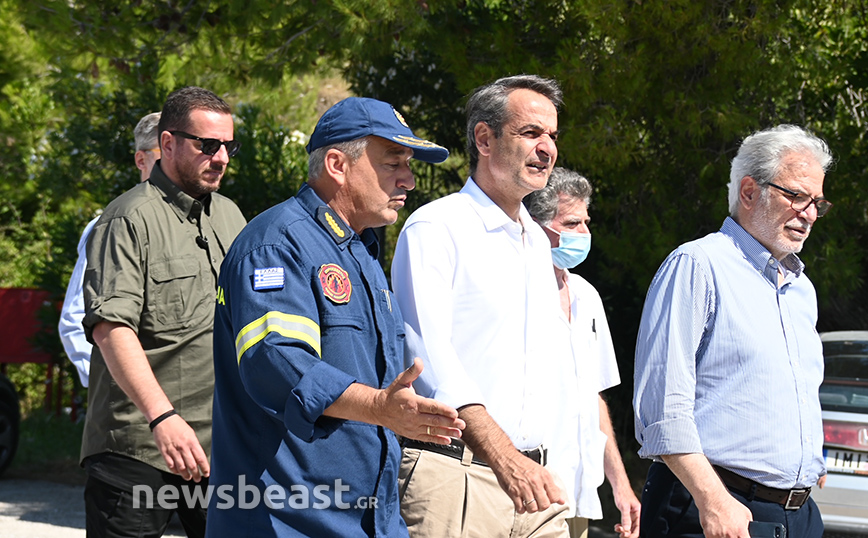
[288, 325]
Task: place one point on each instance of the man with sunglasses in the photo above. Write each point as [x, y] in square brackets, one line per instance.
[728, 359]
[149, 289]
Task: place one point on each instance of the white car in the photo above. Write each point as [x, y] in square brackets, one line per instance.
[843, 501]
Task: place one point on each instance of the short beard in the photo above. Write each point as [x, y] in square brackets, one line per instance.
[768, 227]
[192, 185]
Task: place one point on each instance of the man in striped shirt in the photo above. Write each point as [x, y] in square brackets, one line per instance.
[728, 359]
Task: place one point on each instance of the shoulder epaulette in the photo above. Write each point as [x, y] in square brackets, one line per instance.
[333, 224]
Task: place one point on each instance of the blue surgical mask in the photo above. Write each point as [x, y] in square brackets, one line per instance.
[572, 249]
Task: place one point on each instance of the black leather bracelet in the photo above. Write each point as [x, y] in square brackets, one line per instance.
[161, 418]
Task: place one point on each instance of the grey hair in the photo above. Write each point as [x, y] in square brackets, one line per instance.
[146, 132]
[761, 153]
[488, 104]
[354, 149]
[543, 204]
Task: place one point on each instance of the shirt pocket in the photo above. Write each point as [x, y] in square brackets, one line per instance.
[393, 324]
[349, 343]
[342, 324]
[177, 297]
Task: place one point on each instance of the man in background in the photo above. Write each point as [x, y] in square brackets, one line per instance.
[69, 328]
[584, 449]
[152, 264]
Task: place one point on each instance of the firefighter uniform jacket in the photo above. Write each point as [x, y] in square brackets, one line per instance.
[303, 311]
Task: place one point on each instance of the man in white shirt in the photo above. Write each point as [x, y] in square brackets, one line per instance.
[584, 449]
[473, 277]
[70, 330]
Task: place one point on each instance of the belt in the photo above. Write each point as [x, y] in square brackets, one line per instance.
[456, 450]
[790, 499]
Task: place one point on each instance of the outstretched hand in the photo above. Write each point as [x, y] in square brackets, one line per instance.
[406, 413]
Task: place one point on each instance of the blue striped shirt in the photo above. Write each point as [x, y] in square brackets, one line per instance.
[729, 364]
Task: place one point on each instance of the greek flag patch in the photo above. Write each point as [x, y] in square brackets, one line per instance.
[268, 278]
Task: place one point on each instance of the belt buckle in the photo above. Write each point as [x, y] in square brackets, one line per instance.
[796, 498]
[537, 455]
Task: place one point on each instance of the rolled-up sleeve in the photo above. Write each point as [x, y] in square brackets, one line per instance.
[677, 310]
[114, 278]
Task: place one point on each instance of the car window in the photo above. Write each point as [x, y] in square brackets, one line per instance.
[845, 387]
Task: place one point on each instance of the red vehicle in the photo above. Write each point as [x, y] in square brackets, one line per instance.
[19, 324]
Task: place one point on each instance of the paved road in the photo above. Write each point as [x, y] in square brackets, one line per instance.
[39, 509]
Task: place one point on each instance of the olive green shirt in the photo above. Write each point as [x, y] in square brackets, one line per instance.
[152, 264]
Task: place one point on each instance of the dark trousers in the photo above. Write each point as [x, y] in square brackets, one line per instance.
[668, 510]
[115, 509]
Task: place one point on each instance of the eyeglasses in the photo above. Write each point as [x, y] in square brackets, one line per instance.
[800, 201]
[210, 146]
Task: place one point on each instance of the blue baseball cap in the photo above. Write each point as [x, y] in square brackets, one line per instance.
[358, 117]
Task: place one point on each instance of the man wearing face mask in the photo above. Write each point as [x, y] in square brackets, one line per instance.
[585, 448]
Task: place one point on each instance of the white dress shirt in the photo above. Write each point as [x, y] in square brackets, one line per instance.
[70, 330]
[480, 305]
[578, 446]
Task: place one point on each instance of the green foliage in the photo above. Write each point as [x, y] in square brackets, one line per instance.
[48, 449]
[271, 165]
[32, 383]
[45, 436]
[658, 96]
[831, 72]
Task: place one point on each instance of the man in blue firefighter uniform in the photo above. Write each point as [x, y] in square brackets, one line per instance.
[308, 346]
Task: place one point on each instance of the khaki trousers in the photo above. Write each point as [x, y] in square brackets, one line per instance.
[578, 527]
[443, 497]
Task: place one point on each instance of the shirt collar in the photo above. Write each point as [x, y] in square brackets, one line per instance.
[759, 256]
[332, 223]
[492, 215]
[184, 205]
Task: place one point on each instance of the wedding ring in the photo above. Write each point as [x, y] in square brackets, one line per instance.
[429, 430]
[530, 501]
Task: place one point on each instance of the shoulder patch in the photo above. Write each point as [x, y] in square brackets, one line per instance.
[335, 283]
[333, 224]
[268, 278]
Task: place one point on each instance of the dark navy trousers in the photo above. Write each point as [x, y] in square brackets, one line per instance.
[668, 510]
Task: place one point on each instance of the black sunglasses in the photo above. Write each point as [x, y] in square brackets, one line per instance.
[210, 146]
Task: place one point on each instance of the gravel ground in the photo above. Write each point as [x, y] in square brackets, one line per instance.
[40, 509]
